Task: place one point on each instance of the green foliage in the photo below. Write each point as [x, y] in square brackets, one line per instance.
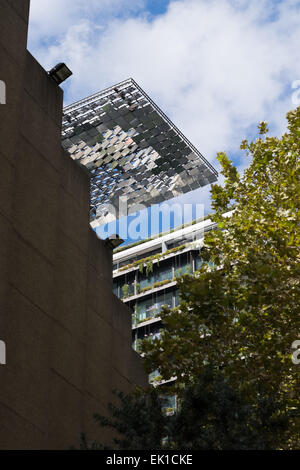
[212, 416]
[215, 416]
[174, 250]
[188, 269]
[149, 267]
[85, 444]
[135, 318]
[178, 272]
[145, 289]
[125, 290]
[145, 319]
[148, 262]
[138, 344]
[138, 422]
[141, 266]
[241, 312]
[161, 283]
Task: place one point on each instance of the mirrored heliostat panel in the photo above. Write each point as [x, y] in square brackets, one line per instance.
[132, 149]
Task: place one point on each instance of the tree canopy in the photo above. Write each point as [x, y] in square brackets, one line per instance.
[212, 415]
[239, 312]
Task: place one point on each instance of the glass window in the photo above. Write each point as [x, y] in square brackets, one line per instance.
[164, 275]
[143, 309]
[187, 269]
[146, 281]
[154, 376]
[177, 299]
[156, 336]
[126, 290]
[164, 299]
[198, 262]
[169, 403]
[152, 307]
[164, 271]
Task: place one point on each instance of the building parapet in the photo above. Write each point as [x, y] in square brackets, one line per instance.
[126, 300]
[196, 231]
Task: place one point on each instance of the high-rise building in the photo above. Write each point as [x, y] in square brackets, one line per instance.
[144, 277]
[131, 149]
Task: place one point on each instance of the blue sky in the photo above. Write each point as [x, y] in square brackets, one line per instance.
[215, 67]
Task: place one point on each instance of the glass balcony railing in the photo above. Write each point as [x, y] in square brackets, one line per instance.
[148, 309]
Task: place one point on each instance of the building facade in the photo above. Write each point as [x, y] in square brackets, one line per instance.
[135, 154]
[145, 278]
[65, 338]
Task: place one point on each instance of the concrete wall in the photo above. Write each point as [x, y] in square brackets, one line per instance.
[68, 338]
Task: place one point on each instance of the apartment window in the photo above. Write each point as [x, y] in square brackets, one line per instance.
[176, 298]
[143, 309]
[164, 271]
[169, 403]
[198, 263]
[166, 298]
[146, 281]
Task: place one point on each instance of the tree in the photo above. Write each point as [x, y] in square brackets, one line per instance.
[216, 416]
[212, 416]
[242, 315]
[138, 421]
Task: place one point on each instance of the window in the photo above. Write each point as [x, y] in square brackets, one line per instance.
[198, 263]
[177, 299]
[143, 309]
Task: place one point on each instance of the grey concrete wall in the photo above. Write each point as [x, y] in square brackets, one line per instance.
[67, 336]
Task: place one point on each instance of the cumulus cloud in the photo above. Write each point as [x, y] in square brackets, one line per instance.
[52, 19]
[216, 67]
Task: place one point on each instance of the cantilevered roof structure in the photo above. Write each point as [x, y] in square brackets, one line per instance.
[132, 149]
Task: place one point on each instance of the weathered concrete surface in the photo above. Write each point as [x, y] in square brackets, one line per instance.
[67, 337]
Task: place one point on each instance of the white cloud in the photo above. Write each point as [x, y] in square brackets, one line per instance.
[216, 67]
[53, 18]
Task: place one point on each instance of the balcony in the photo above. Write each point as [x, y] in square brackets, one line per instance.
[151, 290]
[147, 321]
[142, 263]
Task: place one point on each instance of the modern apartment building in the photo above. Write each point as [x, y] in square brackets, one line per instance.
[132, 151]
[144, 277]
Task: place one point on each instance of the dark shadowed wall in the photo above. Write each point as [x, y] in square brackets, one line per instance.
[68, 338]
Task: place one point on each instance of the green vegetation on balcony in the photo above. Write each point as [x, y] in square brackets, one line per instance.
[125, 290]
[145, 289]
[146, 319]
[168, 411]
[158, 378]
[174, 250]
[137, 345]
[181, 271]
[148, 262]
[161, 283]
